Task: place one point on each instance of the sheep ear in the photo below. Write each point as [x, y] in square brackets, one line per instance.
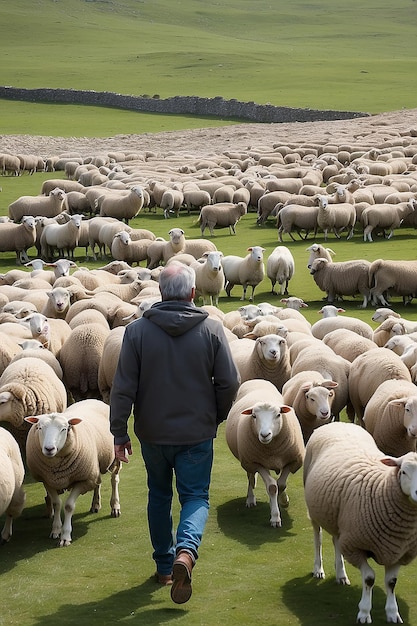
[285, 408]
[247, 412]
[250, 336]
[306, 386]
[74, 421]
[398, 402]
[5, 396]
[391, 461]
[329, 384]
[32, 419]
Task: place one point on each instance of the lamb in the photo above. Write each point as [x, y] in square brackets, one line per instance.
[335, 217]
[347, 343]
[311, 396]
[373, 515]
[80, 359]
[172, 201]
[391, 417]
[122, 206]
[209, 277]
[385, 216]
[280, 268]
[368, 371]
[18, 238]
[70, 450]
[12, 494]
[345, 278]
[61, 237]
[47, 206]
[28, 387]
[108, 362]
[264, 434]
[395, 277]
[301, 218]
[267, 357]
[124, 249]
[221, 215]
[163, 250]
[245, 271]
[318, 251]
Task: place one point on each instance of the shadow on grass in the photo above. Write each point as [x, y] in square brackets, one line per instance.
[124, 606]
[325, 602]
[253, 529]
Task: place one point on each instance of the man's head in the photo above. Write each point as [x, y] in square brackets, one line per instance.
[177, 282]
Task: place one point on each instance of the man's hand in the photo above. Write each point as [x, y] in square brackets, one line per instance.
[121, 451]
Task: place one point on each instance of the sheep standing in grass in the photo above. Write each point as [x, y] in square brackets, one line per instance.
[311, 396]
[385, 217]
[367, 503]
[47, 206]
[298, 217]
[345, 278]
[335, 217]
[161, 251]
[124, 249]
[267, 357]
[246, 271]
[71, 450]
[12, 472]
[123, 206]
[397, 278]
[18, 237]
[280, 268]
[209, 277]
[221, 215]
[61, 237]
[264, 434]
[317, 251]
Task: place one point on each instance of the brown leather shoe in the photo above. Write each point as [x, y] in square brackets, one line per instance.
[181, 573]
[163, 579]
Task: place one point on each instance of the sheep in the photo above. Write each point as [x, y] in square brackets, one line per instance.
[264, 435]
[267, 357]
[124, 249]
[51, 332]
[311, 396]
[78, 203]
[221, 215]
[368, 371]
[28, 387]
[108, 362]
[391, 417]
[302, 218]
[12, 472]
[195, 198]
[390, 327]
[347, 343]
[320, 358]
[245, 271]
[373, 514]
[61, 237]
[70, 450]
[36, 350]
[280, 268]
[335, 217]
[122, 206]
[399, 343]
[80, 358]
[345, 278]
[318, 251]
[163, 250]
[265, 325]
[63, 183]
[172, 201]
[18, 237]
[328, 324]
[46, 206]
[395, 277]
[59, 300]
[9, 348]
[382, 313]
[385, 216]
[198, 247]
[209, 277]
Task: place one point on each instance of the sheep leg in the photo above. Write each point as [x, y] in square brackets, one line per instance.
[56, 508]
[272, 491]
[69, 510]
[365, 604]
[250, 497]
[14, 510]
[115, 479]
[339, 564]
[318, 571]
[282, 487]
[228, 287]
[391, 606]
[96, 501]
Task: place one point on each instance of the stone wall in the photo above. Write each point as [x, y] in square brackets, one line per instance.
[178, 105]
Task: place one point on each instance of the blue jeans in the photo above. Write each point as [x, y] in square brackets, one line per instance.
[192, 468]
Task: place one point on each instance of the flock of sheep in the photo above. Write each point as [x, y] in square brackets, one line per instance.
[61, 329]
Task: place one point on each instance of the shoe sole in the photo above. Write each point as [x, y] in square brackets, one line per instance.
[181, 586]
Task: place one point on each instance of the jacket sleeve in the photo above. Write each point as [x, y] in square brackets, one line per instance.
[226, 378]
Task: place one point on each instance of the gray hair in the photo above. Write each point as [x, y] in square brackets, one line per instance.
[177, 281]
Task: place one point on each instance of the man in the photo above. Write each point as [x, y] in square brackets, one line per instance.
[176, 369]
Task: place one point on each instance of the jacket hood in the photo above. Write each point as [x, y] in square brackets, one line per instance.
[175, 317]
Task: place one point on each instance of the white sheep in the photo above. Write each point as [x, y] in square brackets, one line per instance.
[51, 332]
[397, 278]
[47, 206]
[124, 249]
[246, 271]
[123, 206]
[373, 514]
[280, 268]
[335, 217]
[391, 417]
[311, 396]
[61, 237]
[12, 472]
[368, 371]
[161, 251]
[385, 217]
[345, 278]
[317, 251]
[108, 362]
[172, 201]
[221, 215]
[195, 198]
[326, 325]
[267, 357]
[71, 450]
[298, 217]
[347, 343]
[209, 277]
[399, 343]
[264, 435]
[18, 238]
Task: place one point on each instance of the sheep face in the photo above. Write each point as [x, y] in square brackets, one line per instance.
[60, 299]
[53, 431]
[408, 409]
[271, 347]
[407, 474]
[319, 399]
[267, 420]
